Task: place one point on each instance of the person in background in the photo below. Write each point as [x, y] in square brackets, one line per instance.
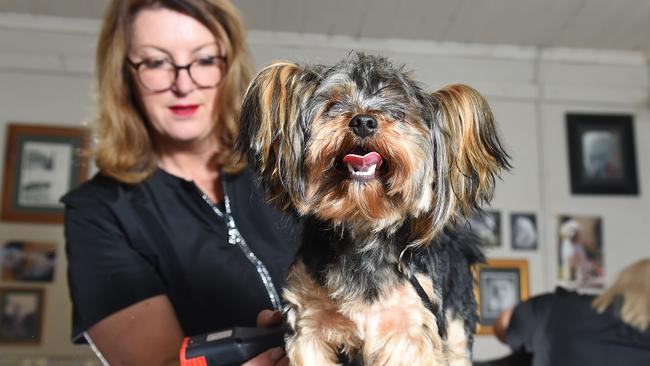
[172, 237]
[566, 328]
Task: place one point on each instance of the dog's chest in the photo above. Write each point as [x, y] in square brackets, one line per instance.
[398, 311]
[351, 269]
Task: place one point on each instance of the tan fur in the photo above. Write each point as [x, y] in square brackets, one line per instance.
[468, 119]
[457, 347]
[320, 328]
[379, 204]
[278, 92]
[396, 330]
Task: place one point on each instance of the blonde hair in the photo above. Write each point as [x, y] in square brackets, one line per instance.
[124, 148]
[633, 286]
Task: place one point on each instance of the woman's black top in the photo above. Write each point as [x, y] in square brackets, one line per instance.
[127, 243]
[562, 328]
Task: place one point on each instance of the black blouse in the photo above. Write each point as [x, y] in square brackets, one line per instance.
[563, 329]
[126, 243]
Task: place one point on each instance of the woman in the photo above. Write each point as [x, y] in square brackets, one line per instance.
[171, 238]
[566, 328]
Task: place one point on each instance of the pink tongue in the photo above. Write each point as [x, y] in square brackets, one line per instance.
[360, 162]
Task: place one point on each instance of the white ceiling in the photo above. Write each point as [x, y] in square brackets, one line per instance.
[599, 24]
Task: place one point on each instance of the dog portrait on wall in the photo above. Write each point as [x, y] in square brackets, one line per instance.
[381, 172]
[580, 251]
[523, 231]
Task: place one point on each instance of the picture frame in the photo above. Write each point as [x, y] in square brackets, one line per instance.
[27, 261]
[524, 234]
[602, 157]
[580, 257]
[499, 285]
[486, 225]
[21, 315]
[41, 164]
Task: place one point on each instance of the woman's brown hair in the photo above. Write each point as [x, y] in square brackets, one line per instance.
[124, 149]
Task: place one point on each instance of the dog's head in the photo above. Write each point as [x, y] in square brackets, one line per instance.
[361, 144]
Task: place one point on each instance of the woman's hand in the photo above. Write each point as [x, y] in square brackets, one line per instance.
[274, 356]
[501, 325]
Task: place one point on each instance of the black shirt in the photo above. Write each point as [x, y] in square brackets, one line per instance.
[126, 243]
[563, 329]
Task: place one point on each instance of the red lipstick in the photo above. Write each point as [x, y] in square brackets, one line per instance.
[184, 110]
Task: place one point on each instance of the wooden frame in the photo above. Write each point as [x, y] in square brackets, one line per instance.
[602, 157]
[507, 277]
[21, 315]
[42, 164]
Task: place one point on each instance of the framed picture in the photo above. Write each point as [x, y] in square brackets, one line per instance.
[602, 156]
[487, 226]
[27, 261]
[42, 163]
[523, 231]
[21, 317]
[580, 251]
[500, 284]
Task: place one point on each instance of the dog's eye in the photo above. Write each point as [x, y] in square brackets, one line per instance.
[397, 115]
[334, 109]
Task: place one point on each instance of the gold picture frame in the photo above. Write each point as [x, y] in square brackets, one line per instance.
[498, 284]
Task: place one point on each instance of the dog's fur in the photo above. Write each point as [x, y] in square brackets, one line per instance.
[352, 288]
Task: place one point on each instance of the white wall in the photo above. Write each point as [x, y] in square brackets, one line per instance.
[45, 77]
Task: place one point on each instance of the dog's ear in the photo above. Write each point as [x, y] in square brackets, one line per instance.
[469, 154]
[272, 130]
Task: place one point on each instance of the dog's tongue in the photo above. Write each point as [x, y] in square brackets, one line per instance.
[363, 162]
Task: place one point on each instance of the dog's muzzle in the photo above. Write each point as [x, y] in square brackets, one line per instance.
[363, 125]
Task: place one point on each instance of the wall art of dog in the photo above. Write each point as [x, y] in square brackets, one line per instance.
[381, 172]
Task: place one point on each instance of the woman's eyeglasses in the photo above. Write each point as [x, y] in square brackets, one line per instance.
[159, 75]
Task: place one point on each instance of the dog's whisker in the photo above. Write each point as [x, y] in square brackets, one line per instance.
[374, 94]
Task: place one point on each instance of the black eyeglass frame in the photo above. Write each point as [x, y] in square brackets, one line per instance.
[177, 69]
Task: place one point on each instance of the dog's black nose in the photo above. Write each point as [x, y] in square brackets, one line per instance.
[363, 125]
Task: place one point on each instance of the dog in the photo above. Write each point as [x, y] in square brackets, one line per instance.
[381, 172]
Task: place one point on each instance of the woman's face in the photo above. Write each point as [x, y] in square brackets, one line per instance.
[181, 114]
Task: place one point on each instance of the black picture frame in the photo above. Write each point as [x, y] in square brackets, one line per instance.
[602, 158]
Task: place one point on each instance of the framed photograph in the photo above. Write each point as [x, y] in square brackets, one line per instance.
[602, 157]
[580, 252]
[523, 231]
[27, 261]
[500, 284]
[21, 318]
[487, 226]
[42, 163]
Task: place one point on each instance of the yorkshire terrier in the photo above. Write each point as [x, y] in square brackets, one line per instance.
[381, 172]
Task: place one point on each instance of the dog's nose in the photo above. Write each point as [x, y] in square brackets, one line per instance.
[363, 125]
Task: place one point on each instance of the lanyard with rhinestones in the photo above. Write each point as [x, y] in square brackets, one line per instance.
[235, 238]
